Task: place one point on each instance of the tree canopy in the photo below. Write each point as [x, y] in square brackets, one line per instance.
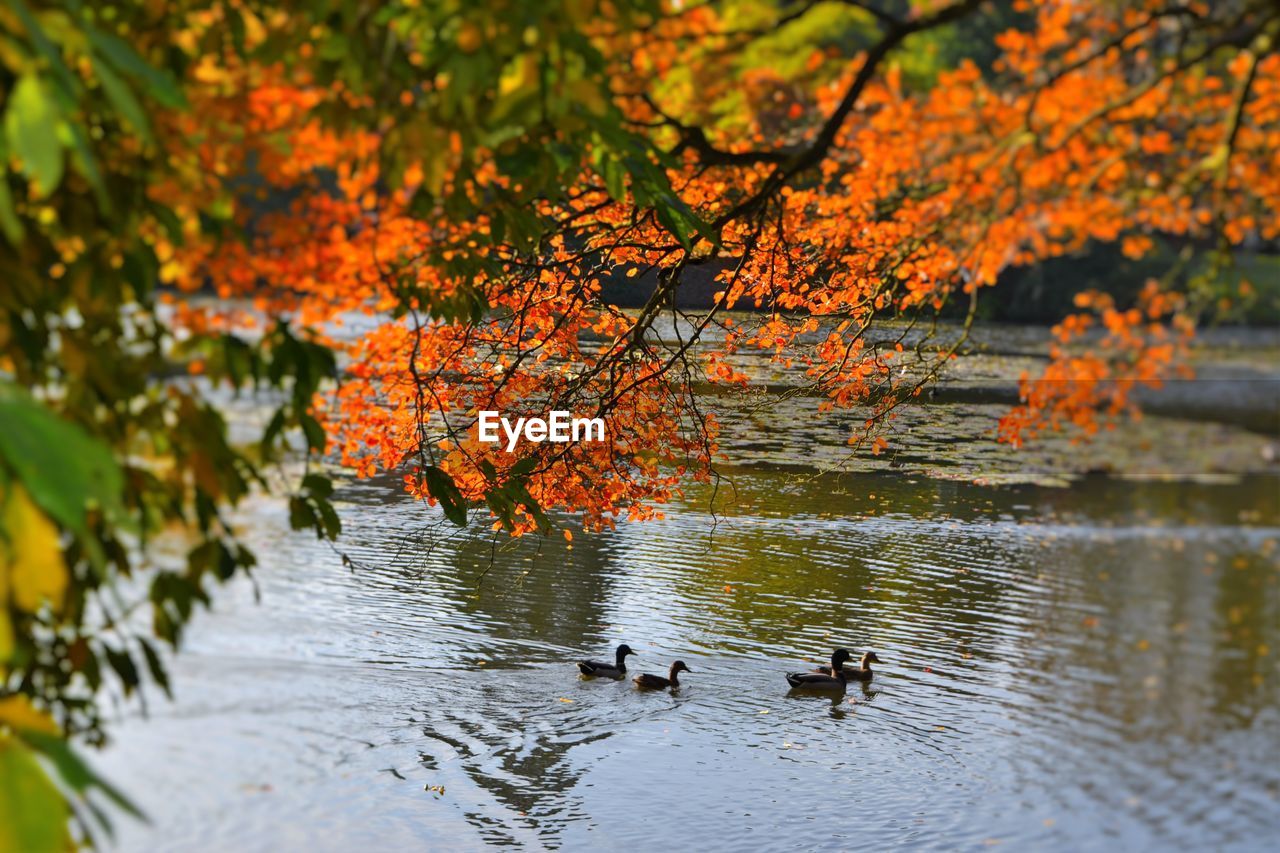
[199, 194]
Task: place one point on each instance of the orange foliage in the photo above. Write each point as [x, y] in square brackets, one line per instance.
[1089, 128]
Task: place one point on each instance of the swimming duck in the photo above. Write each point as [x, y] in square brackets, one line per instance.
[862, 673]
[600, 669]
[657, 682]
[823, 680]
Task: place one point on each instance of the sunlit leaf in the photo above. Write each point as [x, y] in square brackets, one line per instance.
[30, 553]
[31, 131]
[64, 469]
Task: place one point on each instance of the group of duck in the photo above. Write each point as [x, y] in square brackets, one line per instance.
[825, 678]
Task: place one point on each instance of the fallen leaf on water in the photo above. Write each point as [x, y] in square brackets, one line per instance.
[764, 712]
[567, 701]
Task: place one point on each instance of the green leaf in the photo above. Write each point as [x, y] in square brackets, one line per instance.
[48, 50]
[318, 484]
[74, 772]
[172, 224]
[441, 487]
[615, 179]
[122, 98]
[31, 129]
[64, 468]
[301, 516]
[10, 224]
[156, 667]
[122, 662]
[678, 218]
[520, 494]
[33, 814]
[313, 431]
[523, 468]
[159, 84]
[269, 435]
[329, 521]
[502, 507]
[84, 160]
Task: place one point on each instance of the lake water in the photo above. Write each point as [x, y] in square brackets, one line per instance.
[1065, 668]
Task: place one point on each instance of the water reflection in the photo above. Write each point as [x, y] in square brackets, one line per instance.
[1069, 668]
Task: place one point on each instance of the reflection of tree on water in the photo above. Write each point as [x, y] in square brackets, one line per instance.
[540, 591]
[516, 750]
[835, 555]
[533, 594]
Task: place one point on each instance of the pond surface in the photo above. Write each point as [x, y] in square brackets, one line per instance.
[1088, 667]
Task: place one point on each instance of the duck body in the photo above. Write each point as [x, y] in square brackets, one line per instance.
[645, 681]
[823, 680]
[604, 669]
[860, 673]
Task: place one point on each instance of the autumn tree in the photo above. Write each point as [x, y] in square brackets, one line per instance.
[789, 149]
[195, 195]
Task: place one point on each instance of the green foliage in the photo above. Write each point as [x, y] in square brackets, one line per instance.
[33, 814]
[112, 443]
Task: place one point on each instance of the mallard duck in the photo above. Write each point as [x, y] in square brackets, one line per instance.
[823, 680]
[657, 682]
[861, 673]
[600, 669]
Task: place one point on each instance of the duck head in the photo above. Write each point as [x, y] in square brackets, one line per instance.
[623, 651]
[679, 666]
[868, 659]
[839, 657]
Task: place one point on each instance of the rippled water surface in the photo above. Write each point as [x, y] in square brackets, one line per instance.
[1092, 667]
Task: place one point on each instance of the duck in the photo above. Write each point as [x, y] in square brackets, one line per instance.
[601, 669]
[657, 682]
[861, 673]
[823, 680]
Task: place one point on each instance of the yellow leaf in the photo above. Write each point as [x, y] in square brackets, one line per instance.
[521, 74]
[19, 714]
[30, 554]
